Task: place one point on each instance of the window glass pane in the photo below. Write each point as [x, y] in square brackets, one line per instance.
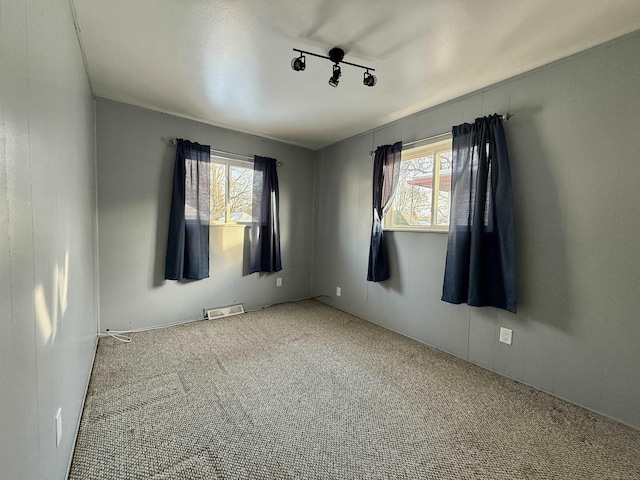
[240, 193]
[422, 197]
[412, 202]
[218, 188]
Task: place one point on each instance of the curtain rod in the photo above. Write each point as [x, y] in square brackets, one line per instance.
[280, 163]
[503, 116]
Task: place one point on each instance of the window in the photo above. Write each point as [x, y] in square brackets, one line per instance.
[421, 201]
[231, 191]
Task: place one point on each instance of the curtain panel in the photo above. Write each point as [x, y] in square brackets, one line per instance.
[264, 236]
[188, 240]
[386, 171]
[480, 263]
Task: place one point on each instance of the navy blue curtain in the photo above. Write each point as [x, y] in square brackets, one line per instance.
[480, 266]
[265, 224]
[386, 171]
[188, 242]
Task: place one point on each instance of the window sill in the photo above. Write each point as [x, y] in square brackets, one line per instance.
[416, 230]
[217, 225]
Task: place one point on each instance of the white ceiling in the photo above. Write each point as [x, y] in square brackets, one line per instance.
[227, 62]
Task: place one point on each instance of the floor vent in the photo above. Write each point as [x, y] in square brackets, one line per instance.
[222, 312]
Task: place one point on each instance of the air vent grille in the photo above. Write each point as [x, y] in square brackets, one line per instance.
[221, 312]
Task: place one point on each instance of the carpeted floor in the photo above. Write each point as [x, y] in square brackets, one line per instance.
[304, 391]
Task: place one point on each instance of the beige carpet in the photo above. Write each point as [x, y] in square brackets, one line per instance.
[304, 391]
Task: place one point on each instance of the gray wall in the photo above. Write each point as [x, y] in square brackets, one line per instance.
[574, 148]
[135, 171]
[48, 303]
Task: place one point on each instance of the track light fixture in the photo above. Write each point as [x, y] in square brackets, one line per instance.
[336, 55]
[335, 76]
[299, 63]
[369, 79]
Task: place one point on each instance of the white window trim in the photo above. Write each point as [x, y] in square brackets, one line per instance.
[415, 152]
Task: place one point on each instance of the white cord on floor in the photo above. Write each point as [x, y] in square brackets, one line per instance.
[119, 336]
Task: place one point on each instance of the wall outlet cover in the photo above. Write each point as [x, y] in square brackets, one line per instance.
[338, 291]
[506, 335]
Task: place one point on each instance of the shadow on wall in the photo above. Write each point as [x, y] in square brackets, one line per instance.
[394, 283]
[245, 245]
[540, 224]
[165, 183]
[246, 253]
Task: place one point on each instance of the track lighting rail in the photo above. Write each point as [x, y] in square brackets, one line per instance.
[329, 58]
[336, 55]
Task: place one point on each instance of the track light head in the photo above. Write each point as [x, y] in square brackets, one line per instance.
[369, 79]
[335, 76]
[298, 63]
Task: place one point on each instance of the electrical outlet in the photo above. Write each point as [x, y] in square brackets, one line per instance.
[279, 282]
[505, 335]
[58, 419]
[338, 292]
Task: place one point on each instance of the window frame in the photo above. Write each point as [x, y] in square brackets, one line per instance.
[437, 147]
[228, 162]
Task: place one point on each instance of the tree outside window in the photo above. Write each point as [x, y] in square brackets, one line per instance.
[421, 201]
[231, 191]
